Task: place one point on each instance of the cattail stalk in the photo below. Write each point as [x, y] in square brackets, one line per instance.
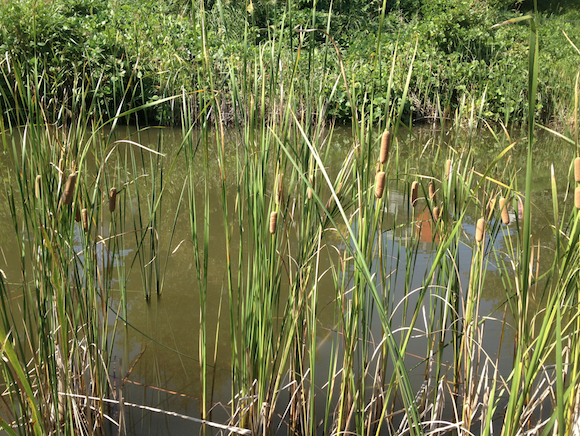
[38, 186]
[577, 197]
[69, 189]
[432, 192]
[447, 168]
[85, 215]
[280, 189]
[414, 192]
[480, 228]
[309, 190]
[112, 199]
[505, 217]
[385, 146]
[379, 184]
[577, 169]
[273, 220]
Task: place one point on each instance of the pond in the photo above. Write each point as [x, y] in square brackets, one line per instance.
[165, 282]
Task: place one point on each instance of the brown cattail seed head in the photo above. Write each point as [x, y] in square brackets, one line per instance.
[436, 213]
[414, 192]
[447, 168]
[505, 217]
[432, 192]
[280, 189]
[577, 169]
[273, 219]
[385, 146]
[112, 199]
[577, 198]
[78, 214]
[69, 189]
[309, 190]
[480, 228]
[85, 215]
[38, 186]
[379, 184]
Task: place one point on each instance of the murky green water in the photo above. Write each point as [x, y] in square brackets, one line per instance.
[155, 358]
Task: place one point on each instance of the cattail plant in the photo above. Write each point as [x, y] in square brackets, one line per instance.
[85, 216]
[577, 197]
[385, 146]
[279, 189]
[273, 220]
[78, 214]
[479, 230]
[505, 217]
[379, 184]
[577, 169]
[38, 186]
[436, 213]
[69, 189]
[112, 199]
[432, 192]
[309, 191]
[447, 168]
[414, 192]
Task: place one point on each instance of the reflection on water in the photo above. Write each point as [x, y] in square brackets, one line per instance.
[155, 360]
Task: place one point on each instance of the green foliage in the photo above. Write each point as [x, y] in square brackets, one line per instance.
[139, 52]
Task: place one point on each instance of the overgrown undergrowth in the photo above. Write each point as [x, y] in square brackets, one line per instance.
[128, 54]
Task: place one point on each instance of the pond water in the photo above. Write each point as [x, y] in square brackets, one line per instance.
[155, 359]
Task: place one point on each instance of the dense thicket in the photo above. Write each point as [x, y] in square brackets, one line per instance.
[125, 53]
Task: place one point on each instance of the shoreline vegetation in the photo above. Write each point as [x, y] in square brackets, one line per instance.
[126, 54]
[78, 196]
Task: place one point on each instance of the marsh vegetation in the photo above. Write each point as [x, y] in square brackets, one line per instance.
[300, 277]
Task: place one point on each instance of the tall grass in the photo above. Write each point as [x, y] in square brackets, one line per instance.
[302, 211]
